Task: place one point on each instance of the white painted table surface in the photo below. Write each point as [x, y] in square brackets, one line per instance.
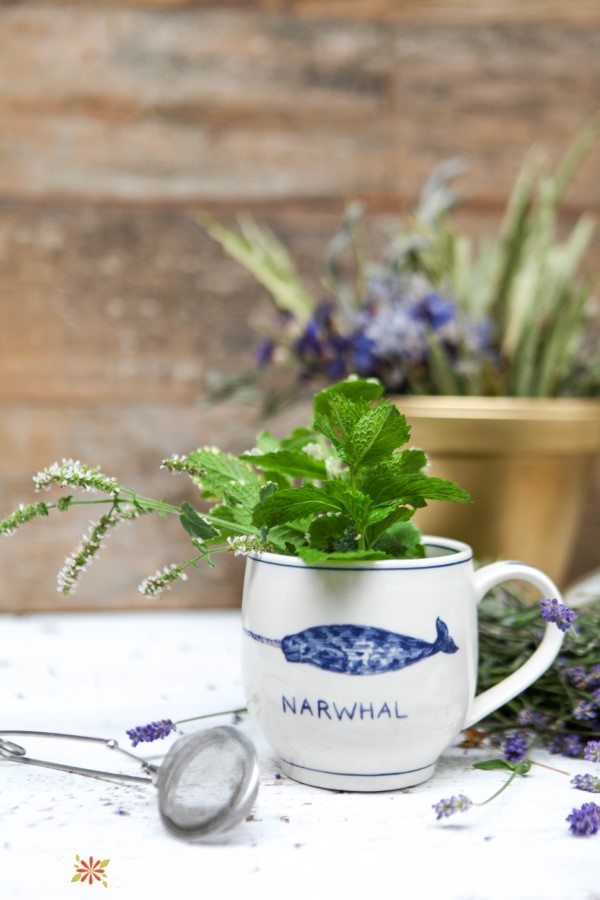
[101, 673]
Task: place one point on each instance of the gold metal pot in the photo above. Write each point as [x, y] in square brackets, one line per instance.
[526, 462]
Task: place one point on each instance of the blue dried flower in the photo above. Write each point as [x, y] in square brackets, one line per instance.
[566, 744]
[585, 821]
[435, 310]
[586, 783]
[558, 613]
[592, 751]
[575, 674]
[265, 352]
[449, 806]
[584, 710]
[151, 732]
[515, 748]
[530, 716]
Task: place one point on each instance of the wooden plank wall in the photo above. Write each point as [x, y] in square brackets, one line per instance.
[119, 121]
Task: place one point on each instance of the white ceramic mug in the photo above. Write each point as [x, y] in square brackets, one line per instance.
[360, 675]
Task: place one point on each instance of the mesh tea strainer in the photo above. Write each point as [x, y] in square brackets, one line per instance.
[206, 784]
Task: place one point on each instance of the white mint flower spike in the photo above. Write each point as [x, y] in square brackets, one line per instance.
[71, 472]
[243, 544]
[162, 581]
[91, 543]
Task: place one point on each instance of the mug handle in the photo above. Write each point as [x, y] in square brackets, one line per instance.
[486, 578]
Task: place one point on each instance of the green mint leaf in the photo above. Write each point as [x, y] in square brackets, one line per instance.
[406, 462]
[104, 863]
[224, 476]
[521, 768]
[267, 489]
[204, 551]
[383, 518]
[312, 556]
[76, 877]
[362, 434]
[353, 502]
[489, 765]
[325, 532]
[353, 389]
[288, 538]
[412, 489]
[377, 434]
[266, 443]
[298, 439]
[400, 540]
[196, 526]
[231, 520]
[292, 463]
[294, 503]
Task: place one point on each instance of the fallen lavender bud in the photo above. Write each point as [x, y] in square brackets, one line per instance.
[451, 805]
[154, 731]
[584, 821]
[586, 783]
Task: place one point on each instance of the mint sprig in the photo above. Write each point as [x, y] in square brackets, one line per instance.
[362, 510]
[344, 489]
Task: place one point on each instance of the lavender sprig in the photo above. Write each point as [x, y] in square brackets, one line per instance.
[592, 751]
[512, 747]
[558, 613]
[586, 783]
[154, 731]
[585, 821]
[585, 710]
[515, 748]
[450, 805]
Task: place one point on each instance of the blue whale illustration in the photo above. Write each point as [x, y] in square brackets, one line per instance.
[359, 649]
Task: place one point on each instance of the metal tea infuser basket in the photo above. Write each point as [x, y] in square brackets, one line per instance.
[206, 784]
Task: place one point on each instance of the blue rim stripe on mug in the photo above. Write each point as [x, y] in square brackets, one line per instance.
[357, 774]
[353, 568]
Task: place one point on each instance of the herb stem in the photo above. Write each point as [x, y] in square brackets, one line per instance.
[224, 712]
[513, 775]
[552, 768]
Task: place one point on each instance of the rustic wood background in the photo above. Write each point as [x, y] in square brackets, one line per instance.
[120, 121]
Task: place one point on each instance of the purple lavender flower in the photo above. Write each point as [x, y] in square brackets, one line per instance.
[265, 352]
[575, 674]
[566, 744]
[585, 821]
[586, 783]
[450, 805]
[530, 716]
[561, 615]
[592, 751]
[435, 310]
[515, 748]
[584, 710]
[151, 732]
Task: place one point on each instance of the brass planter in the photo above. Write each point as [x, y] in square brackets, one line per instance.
[526, 462]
